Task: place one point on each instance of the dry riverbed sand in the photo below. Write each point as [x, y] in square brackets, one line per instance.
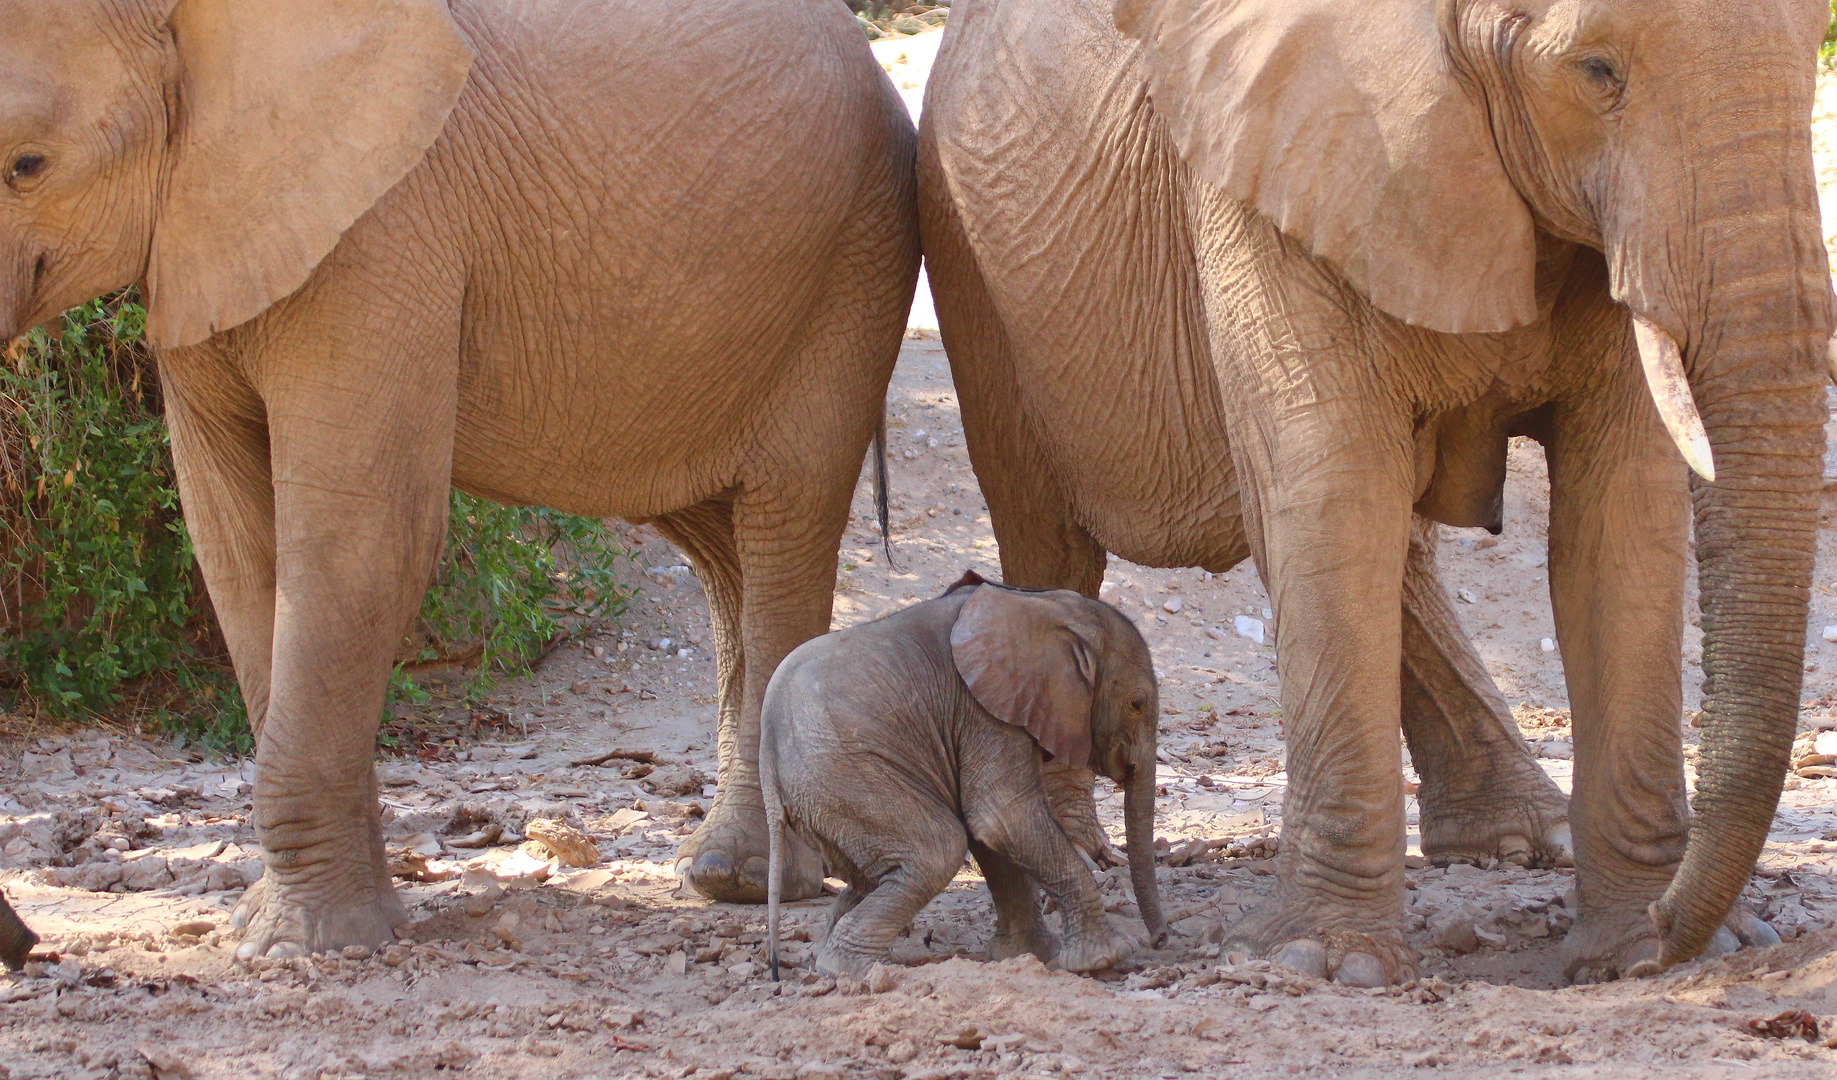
[533, 954]
[127, 856]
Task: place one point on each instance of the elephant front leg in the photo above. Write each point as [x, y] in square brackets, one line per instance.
[1330, 497]
[1338, 907]
[1483, 795]
[361, 460]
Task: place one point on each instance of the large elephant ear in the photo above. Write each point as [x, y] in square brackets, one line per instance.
[1024, 661]
[1345, 124]
[293, 118]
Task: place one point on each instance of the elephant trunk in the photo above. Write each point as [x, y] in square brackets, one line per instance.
[1748, 287]
[1139, 835]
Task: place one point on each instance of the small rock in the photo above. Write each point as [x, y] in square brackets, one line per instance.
[820, 1071]
[1825, 743]
[165, 1064]
[880, 979]
[563, 842]
[1467, 596]
[357, 952]
[678, 963]
[965, 1039]
[427, 845]
[1173, 605]
[1556, 750]
[1830, 633]
[742, 970]
[901, 1052]
[658, 644]
[1489, 937]
[481, 903]
[1457, 935]
[195, 928]
[1249, 627]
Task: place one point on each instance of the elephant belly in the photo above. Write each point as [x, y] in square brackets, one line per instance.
[663, 258]
[1072, 198]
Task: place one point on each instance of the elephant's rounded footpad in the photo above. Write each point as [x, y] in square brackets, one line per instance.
[726, 860]
[296, 920]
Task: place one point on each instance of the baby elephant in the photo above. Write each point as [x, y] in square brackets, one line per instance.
[895, 745]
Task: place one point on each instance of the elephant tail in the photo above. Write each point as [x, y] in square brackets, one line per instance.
[880, 487]
[775, 848]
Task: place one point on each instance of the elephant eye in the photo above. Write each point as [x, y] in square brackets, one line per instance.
[1602, 71]
[25, 168]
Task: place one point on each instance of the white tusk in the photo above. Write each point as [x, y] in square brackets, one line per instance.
[1659, 355]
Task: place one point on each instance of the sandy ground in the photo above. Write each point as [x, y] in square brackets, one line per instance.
[128, 855]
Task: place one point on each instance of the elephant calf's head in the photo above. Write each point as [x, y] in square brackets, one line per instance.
[1078, 677]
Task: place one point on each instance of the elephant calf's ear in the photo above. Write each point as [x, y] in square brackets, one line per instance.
[1024, 662]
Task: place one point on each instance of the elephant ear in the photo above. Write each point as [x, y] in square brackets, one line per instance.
[292, 118]
[1024, 661]
[1345, 125]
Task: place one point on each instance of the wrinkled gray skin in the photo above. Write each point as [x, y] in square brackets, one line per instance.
[622, 259]
[875, 747]
[1475, 197]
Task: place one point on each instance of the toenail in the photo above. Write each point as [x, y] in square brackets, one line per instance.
[1304, 955]
[1360, 969]
[283, 949]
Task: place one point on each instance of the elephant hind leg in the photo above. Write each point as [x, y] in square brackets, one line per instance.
[1483, 795]
[1019, 927]
[884, 896]
[705, 533]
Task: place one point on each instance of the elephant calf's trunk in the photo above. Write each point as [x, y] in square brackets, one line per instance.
[1139, 829]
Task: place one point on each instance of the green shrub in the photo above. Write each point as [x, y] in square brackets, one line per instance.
[509, 577]
[1827, 52]
[102, 610]
[98, 586]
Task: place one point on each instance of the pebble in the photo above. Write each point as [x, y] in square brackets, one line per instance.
[1825, 743]
[1173, 606]
[1467, 596]
[1830, 633]
[901, 1052]
[1249, 627]
[1547, 645]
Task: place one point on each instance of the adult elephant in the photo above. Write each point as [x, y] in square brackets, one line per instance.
[627, 259]
[1265, 277]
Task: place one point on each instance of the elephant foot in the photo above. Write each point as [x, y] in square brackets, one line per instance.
[1603, 948]
[1348, 957]
[727, 858]
[837, 960]
[1092, 950]
[1010, 942]
[1520, 821]
[279, 920]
